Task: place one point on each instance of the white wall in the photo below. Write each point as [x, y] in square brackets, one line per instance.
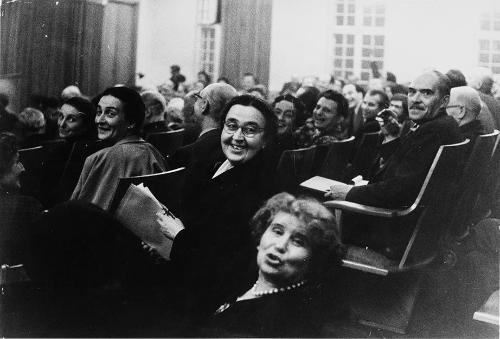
[299, 37]
[166, 36]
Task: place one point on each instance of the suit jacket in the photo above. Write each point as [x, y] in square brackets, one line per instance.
[217, 242]
[205, 148]
[396, 185]
[102, 170]
[398, 182]
[471, 130]
[493, 106]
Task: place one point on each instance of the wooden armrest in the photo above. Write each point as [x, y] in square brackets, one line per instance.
[362, 209]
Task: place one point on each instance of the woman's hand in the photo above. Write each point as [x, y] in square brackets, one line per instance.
[338, 191]
[169, 224]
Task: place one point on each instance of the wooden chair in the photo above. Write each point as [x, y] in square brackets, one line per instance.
[474, 178]
[31, 180]
[335, 162]
[165, 186]
[364, 156]
[166, 142]
[389, 300]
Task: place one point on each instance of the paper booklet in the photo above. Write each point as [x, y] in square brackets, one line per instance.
[322, 184]
[137, 211]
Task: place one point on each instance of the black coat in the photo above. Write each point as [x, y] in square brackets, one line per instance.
[205, 148]
[217, 242]
[396, 185]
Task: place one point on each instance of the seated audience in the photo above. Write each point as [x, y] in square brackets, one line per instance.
[8, 121]
[287, 108]
[399, 105]
[31, 127]
[309, 96]
[398, 182]
[248, 81]
[464, 107]
[481, 79]
[120, 113]
[259, 91]
[77, 120]
[16, 211]
[207, 110]
[211, 239]
[328, 120]
[174, 113]
[156, 106]
[354, 96]
[298, 247]
[373, 102]
[49, 106]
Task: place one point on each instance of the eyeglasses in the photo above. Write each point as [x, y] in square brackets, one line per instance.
[248, 131]
[197, 96]
[452, 106]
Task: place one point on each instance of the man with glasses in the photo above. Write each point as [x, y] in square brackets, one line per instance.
[207, 109]
[464, 107]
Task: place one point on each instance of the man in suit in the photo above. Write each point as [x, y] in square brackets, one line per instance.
[354, 96]
[398, 182]
[373, 102]
[464, 107]
[207, 108]
[481, 79]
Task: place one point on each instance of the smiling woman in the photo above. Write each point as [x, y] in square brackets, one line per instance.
[120, 114]
[76, 120]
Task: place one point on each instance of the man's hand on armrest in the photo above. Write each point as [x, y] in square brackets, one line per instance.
[338, 191]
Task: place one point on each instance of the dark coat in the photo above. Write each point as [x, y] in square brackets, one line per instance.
[471, 130]
[204, 149]
[217, 240]
[398, 182]
[396, 185]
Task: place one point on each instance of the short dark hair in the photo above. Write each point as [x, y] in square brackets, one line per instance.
[271, 128]
[133, 106]
[88, 108]
[250, 74]
[8, 151]
[320, 226]
[382, 96]
[298, 105]
[456, 77]
[342, 105]
[404, 99]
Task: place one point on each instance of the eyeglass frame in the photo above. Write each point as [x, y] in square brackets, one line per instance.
[453, 106]
[243, 129]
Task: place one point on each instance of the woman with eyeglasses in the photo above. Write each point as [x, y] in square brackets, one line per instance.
[211, 240]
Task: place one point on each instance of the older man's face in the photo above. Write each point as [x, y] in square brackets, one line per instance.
[424, 99]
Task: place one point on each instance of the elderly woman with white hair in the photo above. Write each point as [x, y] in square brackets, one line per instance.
[156, 106]
[31, 127]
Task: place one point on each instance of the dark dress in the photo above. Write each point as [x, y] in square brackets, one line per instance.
[217, 242]
[205, 148]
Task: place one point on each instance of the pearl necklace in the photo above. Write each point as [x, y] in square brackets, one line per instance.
[276, 290]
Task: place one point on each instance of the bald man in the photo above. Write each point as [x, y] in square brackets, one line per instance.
[464, 107]
[207, 109]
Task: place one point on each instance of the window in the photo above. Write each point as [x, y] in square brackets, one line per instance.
[374, 14]
[490, 21]
[489, 54]
[209, 50]
[345, 12]
[343, 61]
[372, 51]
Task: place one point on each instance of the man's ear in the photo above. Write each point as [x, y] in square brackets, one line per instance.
[205, 107]
[461, 115]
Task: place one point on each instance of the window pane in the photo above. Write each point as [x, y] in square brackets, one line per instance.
[348, 73]
[349, 63]
[366, 39]
[379, 53]
[366, 52]
[495, 58]
[340, 8]
[484, 45]
[350, 39]
[379, 21]
[365, 76]
[350, 51]
[379, 40]
[340, 20]
[496, 26]
[495, 70]
[485, 25]
[484, 58]
[496, 45]
[365, 64]
[212, 45]
[350, 20]
[367, 21]
[338, 38]
[337, 73]
[212, 33]
[338, 51]
[350, 8]
[337, 63]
